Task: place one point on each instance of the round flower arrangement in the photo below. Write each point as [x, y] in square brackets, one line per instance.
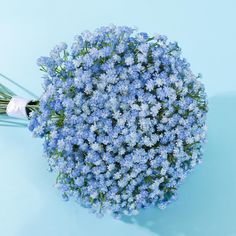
[122, 117]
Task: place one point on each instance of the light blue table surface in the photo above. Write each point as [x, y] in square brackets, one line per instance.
[206, 205]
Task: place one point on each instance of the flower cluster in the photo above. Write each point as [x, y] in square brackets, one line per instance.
[122, 117]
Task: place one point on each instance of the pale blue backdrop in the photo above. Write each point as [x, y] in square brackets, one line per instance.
[31, 206]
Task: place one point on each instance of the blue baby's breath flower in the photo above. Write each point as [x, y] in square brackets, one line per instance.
[129, 60]
[122, 117]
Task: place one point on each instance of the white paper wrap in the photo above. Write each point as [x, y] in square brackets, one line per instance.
[17, 107]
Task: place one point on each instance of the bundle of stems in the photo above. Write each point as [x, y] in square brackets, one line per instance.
[5, 96]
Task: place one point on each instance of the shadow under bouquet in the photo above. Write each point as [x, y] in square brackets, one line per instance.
[122, 117]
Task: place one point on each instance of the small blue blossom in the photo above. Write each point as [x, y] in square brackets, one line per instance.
[129, 61]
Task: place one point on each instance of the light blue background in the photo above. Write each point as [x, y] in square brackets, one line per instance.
[31, 206]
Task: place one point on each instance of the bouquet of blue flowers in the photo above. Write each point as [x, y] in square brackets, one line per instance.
[122, 117]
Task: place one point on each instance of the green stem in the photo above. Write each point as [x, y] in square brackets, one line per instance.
[19, 86]
[6, 122]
